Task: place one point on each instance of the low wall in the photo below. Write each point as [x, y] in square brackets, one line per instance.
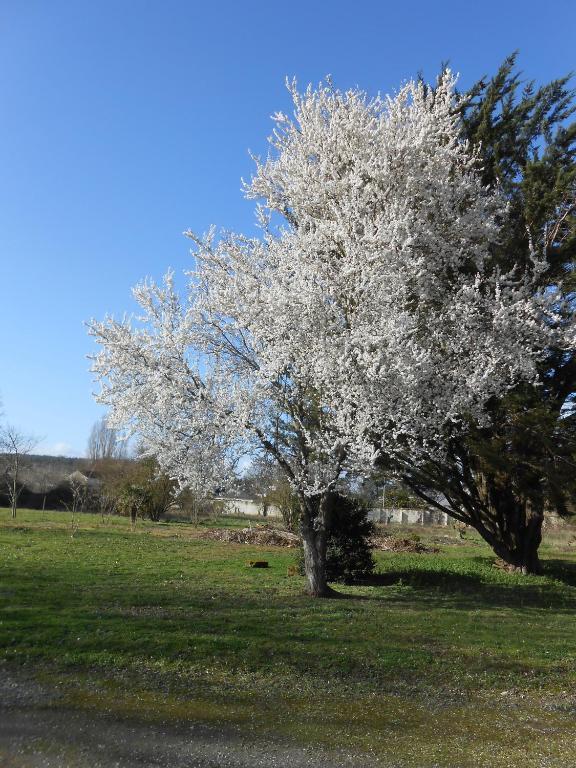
[249, 507]
[392, 516]
[387, 516]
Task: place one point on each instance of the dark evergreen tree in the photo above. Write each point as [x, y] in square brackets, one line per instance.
[501, 478]
[348, 551]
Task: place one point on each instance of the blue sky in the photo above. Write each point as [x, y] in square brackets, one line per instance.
[125, 122]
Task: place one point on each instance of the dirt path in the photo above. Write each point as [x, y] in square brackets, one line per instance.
[37, 732]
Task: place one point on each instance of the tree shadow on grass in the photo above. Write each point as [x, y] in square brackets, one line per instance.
[469, 591]
[561, 570]
[443, 579]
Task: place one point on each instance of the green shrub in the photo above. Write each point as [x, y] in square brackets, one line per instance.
[349, 555]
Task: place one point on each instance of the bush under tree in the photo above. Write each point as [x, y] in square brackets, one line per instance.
[348, 552]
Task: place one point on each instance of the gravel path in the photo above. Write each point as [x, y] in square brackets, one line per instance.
[36, 732]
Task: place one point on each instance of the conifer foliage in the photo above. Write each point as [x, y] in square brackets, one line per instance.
[505, 473]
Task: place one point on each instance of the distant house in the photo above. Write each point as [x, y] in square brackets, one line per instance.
[79, 478]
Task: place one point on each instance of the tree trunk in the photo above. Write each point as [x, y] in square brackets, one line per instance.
[314, 543]
[314, 523]
[14, 496]
[519, 550]
[506, 507]
[515, 533]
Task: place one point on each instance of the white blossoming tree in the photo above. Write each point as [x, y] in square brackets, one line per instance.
[365, 318]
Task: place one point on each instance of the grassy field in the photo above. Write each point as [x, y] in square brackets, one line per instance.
[446, 661]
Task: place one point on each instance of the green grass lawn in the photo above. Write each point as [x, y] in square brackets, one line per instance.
[446, 661]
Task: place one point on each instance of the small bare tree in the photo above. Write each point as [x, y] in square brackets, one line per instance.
[79, 493]
[105, 502]
[46, 483]
[14, 444]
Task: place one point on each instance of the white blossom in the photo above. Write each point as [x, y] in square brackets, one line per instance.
[367, 315]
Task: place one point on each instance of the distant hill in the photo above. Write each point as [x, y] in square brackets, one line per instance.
[39, 471]
[44, 480]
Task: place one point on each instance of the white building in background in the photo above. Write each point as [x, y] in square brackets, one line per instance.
[386, 516]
